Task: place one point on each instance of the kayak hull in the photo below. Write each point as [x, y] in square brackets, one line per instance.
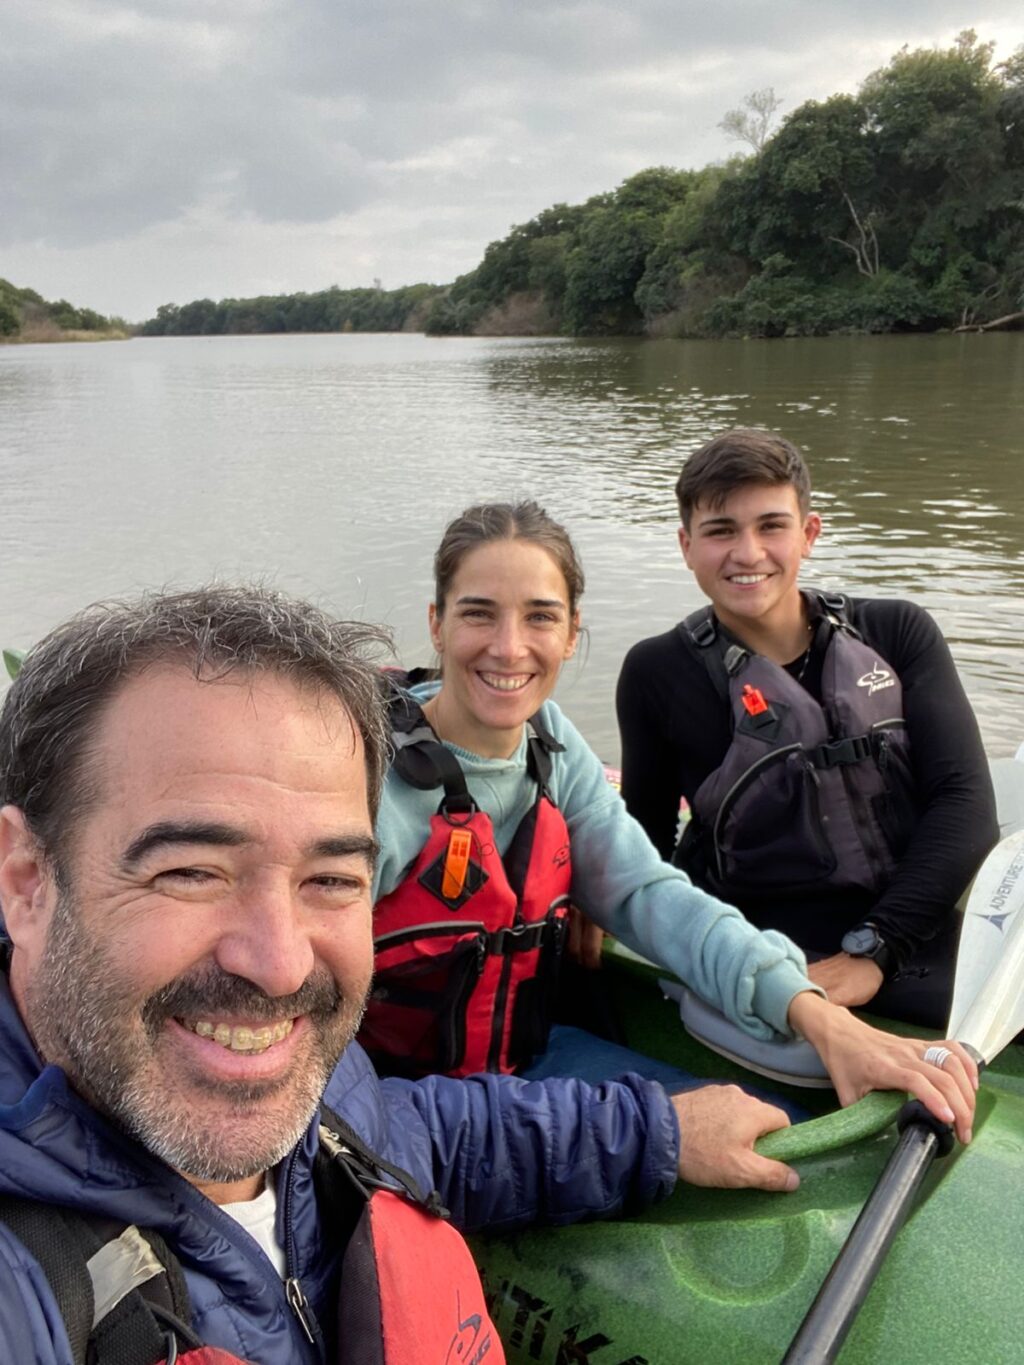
[727, 1275]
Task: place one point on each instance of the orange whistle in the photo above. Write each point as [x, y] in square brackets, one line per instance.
[753, 700]
[456, 864]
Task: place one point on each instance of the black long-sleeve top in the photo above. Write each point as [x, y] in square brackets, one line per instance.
[675, 731]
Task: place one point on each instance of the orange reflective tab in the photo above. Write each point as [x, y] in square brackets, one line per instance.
[753, 700]
[456, 864]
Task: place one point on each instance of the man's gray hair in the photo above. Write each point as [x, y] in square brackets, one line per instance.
[52, 709]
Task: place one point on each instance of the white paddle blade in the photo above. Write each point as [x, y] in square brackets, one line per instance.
[988, 995]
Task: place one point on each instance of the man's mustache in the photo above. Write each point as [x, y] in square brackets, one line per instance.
[209, 992]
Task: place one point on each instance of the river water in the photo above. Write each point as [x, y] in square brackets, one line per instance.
[328, 465]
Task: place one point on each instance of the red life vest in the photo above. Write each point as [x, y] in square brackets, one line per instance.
[409, 1289]
[207, 1355]
[467, 948]
[411, 1292]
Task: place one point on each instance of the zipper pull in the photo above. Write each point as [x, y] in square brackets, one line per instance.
[299, 1305]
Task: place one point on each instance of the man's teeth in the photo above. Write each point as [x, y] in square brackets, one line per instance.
[241, 1039]
[502, 683]
[749, 577]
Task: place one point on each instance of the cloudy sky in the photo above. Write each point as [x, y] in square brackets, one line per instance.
[164, 150]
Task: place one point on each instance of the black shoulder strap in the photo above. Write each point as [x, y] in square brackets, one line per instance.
[836, 608]
[62, 1244]
[422, 760]
[701, 634]
[540, 745]
[418, 756]
[341, 1146]
[141, 1325]
[425, 764]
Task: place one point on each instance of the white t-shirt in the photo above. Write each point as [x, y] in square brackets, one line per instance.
[258, 1217]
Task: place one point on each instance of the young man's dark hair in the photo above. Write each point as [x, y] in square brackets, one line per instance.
[742, 456]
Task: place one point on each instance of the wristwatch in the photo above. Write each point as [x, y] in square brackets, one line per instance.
[865, 941]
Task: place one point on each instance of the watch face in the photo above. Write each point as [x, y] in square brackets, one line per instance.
[861, 942]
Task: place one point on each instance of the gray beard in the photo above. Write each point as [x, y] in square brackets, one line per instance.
[80, 1007]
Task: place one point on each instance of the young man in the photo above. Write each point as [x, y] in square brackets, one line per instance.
[832, 764]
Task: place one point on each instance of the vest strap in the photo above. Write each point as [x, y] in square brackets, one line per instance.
[841, 753]
[735, 657]
[127, 1305]
[518, 938]
[342, 1146]
[120, 1266]
[700, 633]
[700, 626]
[424, 762]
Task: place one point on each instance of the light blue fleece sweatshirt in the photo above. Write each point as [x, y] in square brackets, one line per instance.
[618, 877]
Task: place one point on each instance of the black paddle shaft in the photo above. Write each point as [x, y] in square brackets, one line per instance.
[830, 1317]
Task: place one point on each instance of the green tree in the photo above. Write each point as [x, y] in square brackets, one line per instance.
[690, 265]
[10, 318]
[940, 150]
[609, 261]
[811, 195]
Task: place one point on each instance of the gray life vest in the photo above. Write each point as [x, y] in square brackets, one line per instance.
[808, 796]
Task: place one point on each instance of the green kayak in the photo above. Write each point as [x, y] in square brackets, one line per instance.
[725, 1277]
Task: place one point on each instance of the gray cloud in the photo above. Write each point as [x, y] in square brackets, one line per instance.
[291, 143]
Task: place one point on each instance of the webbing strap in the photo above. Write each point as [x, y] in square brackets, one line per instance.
[339, 1144]
[424, 762]
[114, 1314]
[700, 633]
[62, 1244]
[835, 607]
[120, 1266]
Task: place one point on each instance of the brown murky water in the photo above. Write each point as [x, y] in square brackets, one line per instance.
[329, 465]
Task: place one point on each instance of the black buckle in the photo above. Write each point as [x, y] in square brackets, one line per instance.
[839, 753]
[520, 938]
[735, 657]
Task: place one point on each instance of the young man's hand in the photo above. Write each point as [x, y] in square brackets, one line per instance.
[847, 980]
[718, 1126]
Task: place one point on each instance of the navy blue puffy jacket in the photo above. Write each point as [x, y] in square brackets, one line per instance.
[501, 1152]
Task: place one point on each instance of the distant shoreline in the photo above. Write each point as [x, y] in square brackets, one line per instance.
[48, 335]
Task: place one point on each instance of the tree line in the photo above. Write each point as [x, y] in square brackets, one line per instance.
[24, 314]
[328, 310]
[898, 208]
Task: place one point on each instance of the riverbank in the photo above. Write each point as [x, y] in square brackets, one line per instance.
[47, 333]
